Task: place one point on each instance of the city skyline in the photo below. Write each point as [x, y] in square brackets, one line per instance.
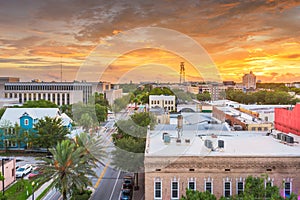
[36, 38]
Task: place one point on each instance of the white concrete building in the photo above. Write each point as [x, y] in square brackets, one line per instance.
[166, 102]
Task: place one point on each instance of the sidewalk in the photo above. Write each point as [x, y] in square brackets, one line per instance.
[140, 194]
[39, 191]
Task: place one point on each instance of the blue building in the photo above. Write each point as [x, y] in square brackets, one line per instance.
[17, 124]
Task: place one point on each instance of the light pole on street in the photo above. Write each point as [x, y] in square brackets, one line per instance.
[32, 190]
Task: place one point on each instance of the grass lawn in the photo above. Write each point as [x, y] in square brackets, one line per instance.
[18, 191]
[22, 189]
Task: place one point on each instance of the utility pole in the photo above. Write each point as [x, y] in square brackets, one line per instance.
[3, 176]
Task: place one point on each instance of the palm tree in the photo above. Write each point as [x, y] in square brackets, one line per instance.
[94, 148]
[69, 167]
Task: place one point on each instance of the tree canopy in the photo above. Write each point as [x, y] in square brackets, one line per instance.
[39, 104]
[261, 97]
[49, 131]
[205, 96]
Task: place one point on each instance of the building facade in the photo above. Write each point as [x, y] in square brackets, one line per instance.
[288, 120]
[216, 161]
[249, 81]
[25, 118]
[8, 171]
[60, 93]
[237, 118]
[162, 101]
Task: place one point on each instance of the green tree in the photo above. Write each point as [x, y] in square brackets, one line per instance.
[49, 131]
[98, 98]
[67, 109]
[2, 110]
[39, 104]
[130, 141]
[86, 121]
[101, 112]
[69, 168]
[121, 103]
[205, 96]
[94, 147]
[197, 195]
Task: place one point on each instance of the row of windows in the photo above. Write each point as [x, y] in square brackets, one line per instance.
[61, 98]
[9, 143]
[47, 87]
[9, 131]
[208, 186]
[259, 128]
[158, 102]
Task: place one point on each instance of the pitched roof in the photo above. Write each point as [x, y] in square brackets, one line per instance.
[13, 114]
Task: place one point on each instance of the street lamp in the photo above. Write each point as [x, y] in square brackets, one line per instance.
[32, 190]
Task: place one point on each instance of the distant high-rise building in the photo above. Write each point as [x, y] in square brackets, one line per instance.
[249, 81]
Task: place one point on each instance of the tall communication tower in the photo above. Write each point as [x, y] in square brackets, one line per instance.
[60, 69]
[182, 73]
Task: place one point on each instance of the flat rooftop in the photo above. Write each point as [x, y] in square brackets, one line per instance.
[236, 143]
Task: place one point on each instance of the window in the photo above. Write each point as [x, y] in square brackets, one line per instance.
[26, 122]
[240, 187]
[259, 128]
[192, 185]
[265, 129]
[253, 128]
[208, 187]
[157, 190]
[227, 189]
[287, 189]
[175, 190]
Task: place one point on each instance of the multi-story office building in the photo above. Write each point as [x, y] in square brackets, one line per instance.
[60, 93]
[249, 81]
[162, 101]
[216, 161]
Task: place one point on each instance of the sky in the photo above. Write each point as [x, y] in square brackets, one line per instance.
[111, 40]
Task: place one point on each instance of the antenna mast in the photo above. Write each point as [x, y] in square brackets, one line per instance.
[60, 68]
[182, 73]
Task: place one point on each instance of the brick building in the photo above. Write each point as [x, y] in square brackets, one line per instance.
[216, 161]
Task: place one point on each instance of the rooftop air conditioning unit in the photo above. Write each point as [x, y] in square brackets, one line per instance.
[221, 143]
[289, 139]
[166, 138]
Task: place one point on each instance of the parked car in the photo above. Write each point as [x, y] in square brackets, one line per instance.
[126, 194]
[35, 173]
[127, 182]
[24, 170]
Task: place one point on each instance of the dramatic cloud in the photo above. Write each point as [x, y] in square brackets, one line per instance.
[261, 35]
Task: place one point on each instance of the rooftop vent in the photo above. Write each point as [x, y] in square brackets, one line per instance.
[208, 144]
[187, 140]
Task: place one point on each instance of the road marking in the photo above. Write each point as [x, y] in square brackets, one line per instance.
[115, 185]
[101, 176]
[104, 170]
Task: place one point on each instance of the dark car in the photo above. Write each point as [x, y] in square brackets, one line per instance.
[127, 182]
[126, 194]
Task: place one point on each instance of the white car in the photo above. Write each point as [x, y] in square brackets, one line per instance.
[24, 170]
